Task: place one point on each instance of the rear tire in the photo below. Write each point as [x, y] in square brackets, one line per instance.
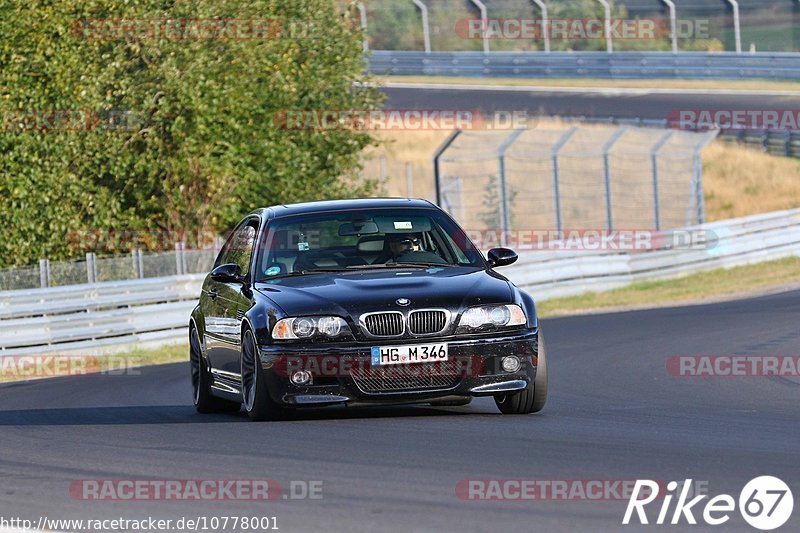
[532, 399]
[203, 400]
[255, 396]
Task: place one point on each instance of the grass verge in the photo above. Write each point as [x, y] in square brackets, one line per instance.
[703, 286]
[732, 85]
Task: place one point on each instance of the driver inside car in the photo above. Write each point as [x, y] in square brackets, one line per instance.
[407, 248]
[404, 243]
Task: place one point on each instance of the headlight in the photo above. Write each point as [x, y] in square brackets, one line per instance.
[306, 327]
[491, 316]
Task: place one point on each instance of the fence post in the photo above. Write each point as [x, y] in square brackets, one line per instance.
[91, 267]
[607, 173]
[409, 180]
[545, 24]
[505, 217]
[180, 258]
[607, 25]
[554, 155]
[44, 273]
[654, 166]
[737, 29]
[437, 169]
[362, 10]
[484, 23]
[698, 171]
[673, 23]
[426, 28]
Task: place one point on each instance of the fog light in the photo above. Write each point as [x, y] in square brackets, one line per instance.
[301, 377]
[510, 363]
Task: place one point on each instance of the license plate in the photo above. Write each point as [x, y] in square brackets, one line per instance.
[404, 355]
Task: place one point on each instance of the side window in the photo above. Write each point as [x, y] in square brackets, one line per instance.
[239, 248]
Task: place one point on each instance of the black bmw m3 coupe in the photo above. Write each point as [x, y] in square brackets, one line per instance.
[361, 302]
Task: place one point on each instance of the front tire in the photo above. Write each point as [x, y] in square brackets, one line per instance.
[204, 401]
[532, 399]
[255, 396]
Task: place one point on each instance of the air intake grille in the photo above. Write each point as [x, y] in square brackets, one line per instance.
[405, 377]
[426, 322]
[384, 324]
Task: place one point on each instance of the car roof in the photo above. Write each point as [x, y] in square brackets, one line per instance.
[342, 205]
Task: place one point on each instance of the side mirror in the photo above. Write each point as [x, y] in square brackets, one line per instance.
[501, 257]
[229, 273]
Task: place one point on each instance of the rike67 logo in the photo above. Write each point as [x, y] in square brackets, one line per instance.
[765, 503]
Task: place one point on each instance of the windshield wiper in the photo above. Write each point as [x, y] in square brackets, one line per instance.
[304, 273]
[426, 264]
[398, 265]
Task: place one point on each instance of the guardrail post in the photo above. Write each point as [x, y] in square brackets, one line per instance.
[180, 258]
[607, 173]
[554, 155]
[545, 24]
[138, 264]
[91, 267]
[409, 180]
[505, 216]
[44, 273]
[437, 168]
[654, 163]
[426, 27]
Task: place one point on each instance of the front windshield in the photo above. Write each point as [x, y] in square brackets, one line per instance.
[364, 239]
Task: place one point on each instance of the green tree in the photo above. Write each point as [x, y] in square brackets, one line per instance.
[203, 148]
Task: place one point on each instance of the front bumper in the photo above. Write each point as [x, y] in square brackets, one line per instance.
[342, 373]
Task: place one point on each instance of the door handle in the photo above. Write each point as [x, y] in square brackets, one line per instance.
[213, 294]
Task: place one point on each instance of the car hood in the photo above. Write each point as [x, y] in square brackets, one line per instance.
[362, 291]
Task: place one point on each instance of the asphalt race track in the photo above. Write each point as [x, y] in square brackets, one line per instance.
[614, 413]
[639, 103]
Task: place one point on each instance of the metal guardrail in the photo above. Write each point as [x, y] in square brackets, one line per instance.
[685, 65]
[83, 317]
[742, 241]
[89, 317]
